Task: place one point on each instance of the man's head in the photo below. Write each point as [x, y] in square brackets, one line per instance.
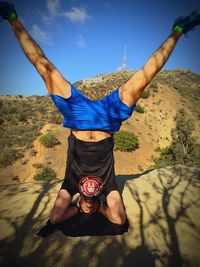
[89, 205]
[90, 189]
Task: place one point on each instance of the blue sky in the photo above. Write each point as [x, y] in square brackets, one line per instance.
[85, 38]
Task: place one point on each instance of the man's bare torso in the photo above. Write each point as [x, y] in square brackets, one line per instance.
[91, 136]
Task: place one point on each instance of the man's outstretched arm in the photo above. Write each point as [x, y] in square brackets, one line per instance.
[54, 81]
[134, 87]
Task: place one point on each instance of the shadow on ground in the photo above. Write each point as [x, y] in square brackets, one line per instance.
[163, 211]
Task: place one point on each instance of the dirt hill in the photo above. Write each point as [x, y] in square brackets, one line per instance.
[163, 211]
[25, 119]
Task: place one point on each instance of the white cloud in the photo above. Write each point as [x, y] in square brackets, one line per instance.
[40, 35]
[77, 14]
[53, 6]
[80, 41]
[46, 19]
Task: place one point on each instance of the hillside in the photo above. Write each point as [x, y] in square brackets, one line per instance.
[24, 119]
[163, 211]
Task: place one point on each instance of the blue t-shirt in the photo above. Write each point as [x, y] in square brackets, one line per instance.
[81, 113]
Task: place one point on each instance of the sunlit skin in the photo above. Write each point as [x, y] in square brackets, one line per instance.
[88, 207]
[129, 93]
[58, 85]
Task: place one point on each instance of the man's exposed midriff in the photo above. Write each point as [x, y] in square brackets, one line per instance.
[91, 136]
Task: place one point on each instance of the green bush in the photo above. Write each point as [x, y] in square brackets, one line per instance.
[126, 141]
[49, 140]
[139, 109]
[165, 157]
[45, 174]
[145, 94]
[8, 156]
[22, 118]
[184, 148]
[155, 89]
[38, 165]
[56, 118]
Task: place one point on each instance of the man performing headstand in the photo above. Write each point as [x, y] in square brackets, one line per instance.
[90, 163]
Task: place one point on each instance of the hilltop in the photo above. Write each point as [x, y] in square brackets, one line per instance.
[25, 119]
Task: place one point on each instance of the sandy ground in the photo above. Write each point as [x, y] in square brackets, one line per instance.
[163, 210]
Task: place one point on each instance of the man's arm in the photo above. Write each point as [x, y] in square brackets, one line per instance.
[54, 81]
[134, 87]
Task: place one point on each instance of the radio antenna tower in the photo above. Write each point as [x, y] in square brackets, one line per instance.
[124, 66]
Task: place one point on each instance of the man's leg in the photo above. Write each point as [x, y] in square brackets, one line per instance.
[114, 211]
[54, 81]
[134, 87]
[62, 210]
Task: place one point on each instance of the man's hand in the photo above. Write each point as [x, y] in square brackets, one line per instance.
[7, 11]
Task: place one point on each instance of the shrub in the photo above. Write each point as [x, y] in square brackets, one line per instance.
[45, 174]
[165, 157]
[139, 109]
[49, 140]
[8, 156]
[158, 149]
[126, 141]
[56, 118]
[22, 118]
[145, 94]
[38, 165]
[29, 144]
[184, 148]
[195, 154]
[33, 153]
[155, 89]
[140, 168]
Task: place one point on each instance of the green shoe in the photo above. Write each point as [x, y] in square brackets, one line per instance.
[7, 11]
[185, 24]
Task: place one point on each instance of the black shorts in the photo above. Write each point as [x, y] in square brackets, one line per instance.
[89, 159]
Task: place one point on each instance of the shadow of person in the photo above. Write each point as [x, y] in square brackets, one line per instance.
[83, 224]
[122, 178]
[140, 256]
[95, 224]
